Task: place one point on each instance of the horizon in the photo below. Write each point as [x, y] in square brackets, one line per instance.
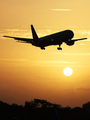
[47, 103]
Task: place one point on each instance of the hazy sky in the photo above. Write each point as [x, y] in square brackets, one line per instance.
[27, 72]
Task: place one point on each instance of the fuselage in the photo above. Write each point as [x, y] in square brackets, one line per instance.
[55, 39]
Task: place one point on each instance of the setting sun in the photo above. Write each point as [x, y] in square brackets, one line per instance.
[68, 71]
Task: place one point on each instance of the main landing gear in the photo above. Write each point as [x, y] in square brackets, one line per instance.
[59, 48]
[42, 48]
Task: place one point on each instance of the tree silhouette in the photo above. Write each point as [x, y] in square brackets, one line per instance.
[43, 110]
[86, 106]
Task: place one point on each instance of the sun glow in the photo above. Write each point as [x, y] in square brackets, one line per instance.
[68, 71]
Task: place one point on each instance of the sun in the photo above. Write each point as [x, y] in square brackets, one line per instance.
[67, 71]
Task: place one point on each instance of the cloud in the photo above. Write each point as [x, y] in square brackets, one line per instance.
[83, 32]
[26, 62]
[14, 60]
[85, 54]
[81, 44]
[45, 63]
[15, 33]
[39, 62]
[54, 62]
[79, 89]
[44, 32]
[62, 10]
[23, 33]
[83, 89]
[70, 89]
[15, 30]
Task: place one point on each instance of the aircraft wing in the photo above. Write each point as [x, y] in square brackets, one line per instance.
[79, 39]
[22, 39]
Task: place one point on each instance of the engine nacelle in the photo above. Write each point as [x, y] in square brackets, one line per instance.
[70, 42]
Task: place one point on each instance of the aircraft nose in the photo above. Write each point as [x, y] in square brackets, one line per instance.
[71, 34]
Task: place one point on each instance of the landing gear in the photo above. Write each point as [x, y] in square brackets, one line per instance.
[42, 48]
[59, 48]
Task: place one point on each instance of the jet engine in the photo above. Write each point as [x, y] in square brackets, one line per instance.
[70, 42]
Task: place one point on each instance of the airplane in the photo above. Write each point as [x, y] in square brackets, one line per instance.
[53, 39]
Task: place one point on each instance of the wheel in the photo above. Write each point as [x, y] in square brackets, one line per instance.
[42, 48]
[59, 48]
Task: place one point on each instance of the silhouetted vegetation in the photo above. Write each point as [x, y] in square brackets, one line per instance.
[43, 110]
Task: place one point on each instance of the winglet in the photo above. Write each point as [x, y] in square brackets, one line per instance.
[34, 34]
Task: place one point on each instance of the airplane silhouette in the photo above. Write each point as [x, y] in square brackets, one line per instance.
[53, 39]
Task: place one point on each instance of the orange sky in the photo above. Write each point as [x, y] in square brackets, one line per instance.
[27, 72]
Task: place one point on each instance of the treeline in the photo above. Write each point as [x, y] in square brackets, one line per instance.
[43, 110]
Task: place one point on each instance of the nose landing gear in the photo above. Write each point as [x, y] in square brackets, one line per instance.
[59, 48]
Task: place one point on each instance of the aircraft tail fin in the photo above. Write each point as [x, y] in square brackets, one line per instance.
[34, 34]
